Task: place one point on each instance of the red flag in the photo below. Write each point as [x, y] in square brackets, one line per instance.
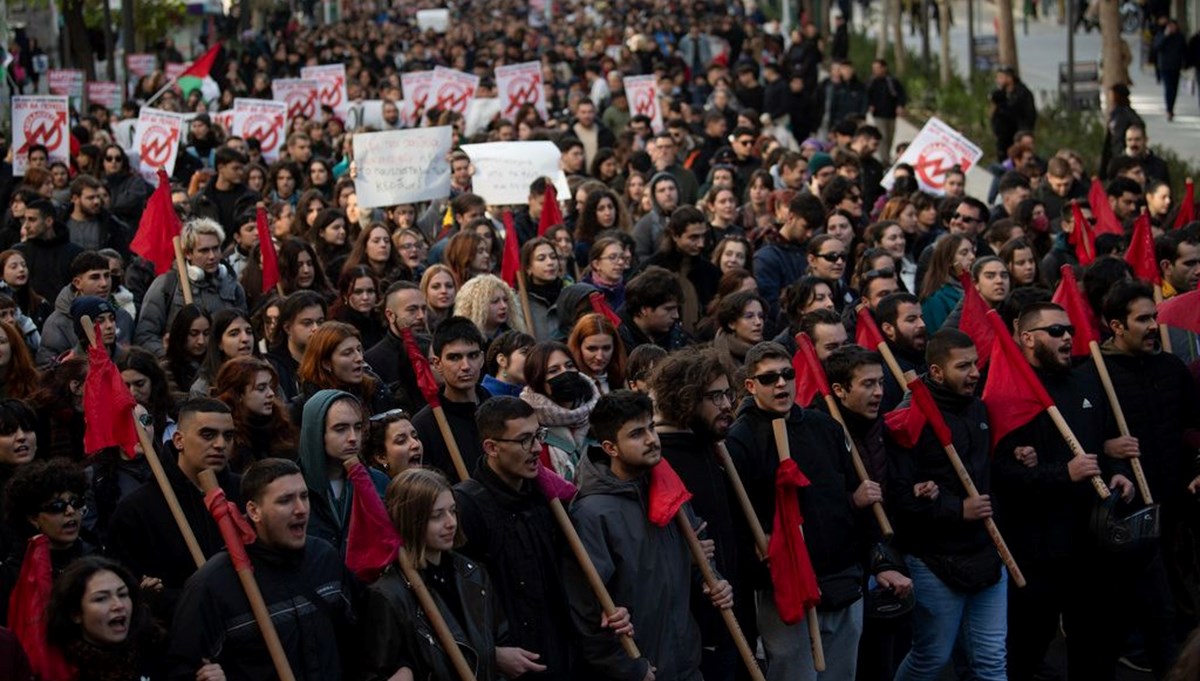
[1140, 254]
[372, 542]
[667, 493]
[420, 365]
[1106, 219]
[1082, 236]
[923, 400]
[792, 573]
[1181, 311]
[234, 529]
[554, 486]
[810, 375]
[1013, 394]
[28, 616]
[158, 226]
[600, 306]
[1068, 296]
[905, 424]
[866, 331]
[1187, 209]
[551, 213]
[510, 265]
[974, 321]
[107, 405]
[270, 261]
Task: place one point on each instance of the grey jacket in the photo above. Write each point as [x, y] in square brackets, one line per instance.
[164, 298]
[58, 334]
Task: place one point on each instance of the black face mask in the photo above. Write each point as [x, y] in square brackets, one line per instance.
[571, 389]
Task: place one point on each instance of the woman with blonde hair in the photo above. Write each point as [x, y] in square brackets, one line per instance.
[488, 302]
[598, 351]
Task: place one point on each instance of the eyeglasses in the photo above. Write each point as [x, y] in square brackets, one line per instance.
[772, 377]
[1056, 330]
[59, 506]
[527, 442]
[114, 159]
[745, 143]
[719, 397]
[966, 218]
[383, 416]
[614, 258]
[832, 257]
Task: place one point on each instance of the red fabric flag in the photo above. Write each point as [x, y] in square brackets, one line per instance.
[554, 486]
[667, 493]
[1181, 311]
[234, 529]
[28, 616]
[974, 321]
[923, 400]
[1140, 254]
[158, 226]
[372, 542]
[107, 405]
[1070, 298]
[1187, 209]
[807, 385]
[905, 424]
[1082, 236]
[866, 331]
[792, 573]
[420, 365]
[270, 261]
[814, 373]
[510, 264]
[600, 306]
[551, 213]
[1013, 394]
[1106, 219]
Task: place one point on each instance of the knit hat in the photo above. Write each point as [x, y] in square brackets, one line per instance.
[818, 161]
[88, 306]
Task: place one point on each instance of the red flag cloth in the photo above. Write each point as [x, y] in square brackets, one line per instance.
[270, 261]
[1106, 219]
[923, 400]
[1181, 311]
[816, 372]
[551, 213]
[866, 331]
[1068, 297]
[974, 321]
[807, 385]
[554, 486]
[667, 493]
[905, 424]
[792, 573]
[1187, 209]
[234, 529]
[372, 542]
[28, 616]
[1140, 254]
[600, 306]
[107, 405]
[1082, 236]
[510, 265]
[420, 365]
[158, 226]
[1013, 394]
[202, 67]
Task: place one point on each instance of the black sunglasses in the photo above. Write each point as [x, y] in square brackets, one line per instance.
[772, 377]
[1056, 330]
[59, 506]
[832, 257]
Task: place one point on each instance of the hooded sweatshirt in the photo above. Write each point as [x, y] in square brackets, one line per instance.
[648, 231]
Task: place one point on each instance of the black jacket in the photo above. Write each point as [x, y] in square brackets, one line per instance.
[514, 534]
[632, 336]
[308, 593]
[884, 95]
[389, 361]
[461, 417]
[49, 261]
[893, 392]
[288, 369]
[1013, 111]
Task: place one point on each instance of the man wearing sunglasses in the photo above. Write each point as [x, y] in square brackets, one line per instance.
[830, 504]
[47, 496]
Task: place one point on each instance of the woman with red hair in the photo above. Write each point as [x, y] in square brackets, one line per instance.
[334, 360]
[18, 376]
[250, 386]
[598, 352]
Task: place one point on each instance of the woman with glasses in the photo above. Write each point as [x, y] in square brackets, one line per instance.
[827, 260]
[608, 261]
[250, 387]
[128, 191]
[563, 399]
[411, 250]
[357, 304]
[598, 351]
[741, 322]
[393, 445]
[47, 497]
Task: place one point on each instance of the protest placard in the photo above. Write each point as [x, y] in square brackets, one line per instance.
[936, 149]
[521, 84]
[66, 83]
[124, 132]
[301, 95]
[416, 87]
[436, 20]
[452, 90]
[141, 64]
[41, 120]
[480, 114]
[104, 93]
[331, 85]
[504, 170]
[264, 120]
[402, 166]
[642, 93]
[157, 141]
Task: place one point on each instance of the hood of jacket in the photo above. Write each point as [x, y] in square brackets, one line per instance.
[595, 476]
[661, 176]
[311, 455]
[62, 303]
[568, 303]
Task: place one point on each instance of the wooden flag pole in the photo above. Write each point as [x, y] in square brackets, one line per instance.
[1076, 448]
[181, 267]
[258, 606]
[160, 475]
[859, 466]
[524, 297]
[784, 450]
[1102, 367]
[1164, 333]
[739, 491]
[439, 415]
[589, 571]
[889, 358]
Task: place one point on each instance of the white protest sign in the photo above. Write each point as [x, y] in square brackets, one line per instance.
[452, 90]
[41, 120]
[66, 82]
[123, 134]
[331, 83]
[521, 84]
[104, 93]
[436, 20]
[157, 141]
[301, 95]
[373, 113]
[504, 170]
[141, 64]
[936, 148]
[417, 87]
[480, 114]
[225, 119]
[402, 166]
[642, 93]
[264, 120]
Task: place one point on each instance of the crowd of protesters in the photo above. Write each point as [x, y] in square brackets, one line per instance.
[656, 323]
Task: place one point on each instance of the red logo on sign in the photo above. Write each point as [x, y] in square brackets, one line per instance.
[45, 128]
[157, 143]
[454, 97]
[332, 95]
[265, 128]
[644, 104]
[932, 164]
[301, 103]
[523, 90]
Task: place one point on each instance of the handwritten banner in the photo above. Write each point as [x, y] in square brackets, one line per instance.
[302, 96]
[402, 166]
[521, 84]
[264, 120]
[452, 90]
[331, 83]
[104, 93]
[504, 170]
[40, 120]
[642, 92]
[157, 141]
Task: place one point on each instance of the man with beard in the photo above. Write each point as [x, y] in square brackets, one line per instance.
[1047, 497]
[830, 505]
[903, 327]
[89, 225]
[693, 409]
[404, 307]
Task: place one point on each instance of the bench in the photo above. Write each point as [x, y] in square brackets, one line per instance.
[1085, 75]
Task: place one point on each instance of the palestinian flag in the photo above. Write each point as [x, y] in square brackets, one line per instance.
[197, 76]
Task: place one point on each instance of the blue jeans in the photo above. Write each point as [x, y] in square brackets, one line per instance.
[943, 616]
